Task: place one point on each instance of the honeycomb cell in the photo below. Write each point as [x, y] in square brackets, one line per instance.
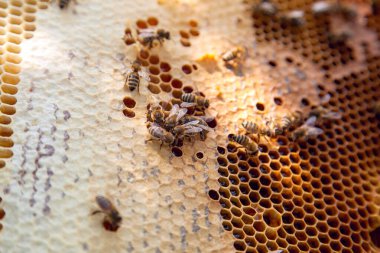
[237, 223]
[152, 21]
[129, 102]
[177, 152]
[141, 24]
[154, 70]
[186, 69]
[227, 225]
[272, 218]
[176, 83]
[165, 87]
[254, 197]
[129, 113]
[184, 34]
[194, 32]
[260, 238]
[185, 42]
[213, 194]
[154, 88]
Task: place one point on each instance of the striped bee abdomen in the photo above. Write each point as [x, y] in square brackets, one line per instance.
[133, 81]
[188, 97]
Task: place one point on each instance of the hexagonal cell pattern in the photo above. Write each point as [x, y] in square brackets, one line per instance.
[320, 188]
[319, 195]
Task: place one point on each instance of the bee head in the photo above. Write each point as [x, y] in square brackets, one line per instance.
[164, 34]
[231, 137]
[136, 64]
[207, 103]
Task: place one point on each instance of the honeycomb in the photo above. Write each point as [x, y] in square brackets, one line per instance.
[72, 131]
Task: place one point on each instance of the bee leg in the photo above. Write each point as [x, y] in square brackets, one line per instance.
[96, 212]
[148, 140]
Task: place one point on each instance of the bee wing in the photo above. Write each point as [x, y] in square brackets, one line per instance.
[205, 128]
[144, 75]
[174, 110]
[182, 112]
[313, 131]
[186, 104]
[311, 121]
[207, 118]
[194, 122]
[193, 129]
[146, 33]
[103, 203]
[276, 251]
[325, 99]
[333, 115]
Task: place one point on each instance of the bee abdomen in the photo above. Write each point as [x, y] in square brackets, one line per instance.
[228, 56]
[250, 126]
[155, 131]
[63, 3]
[188, 97]
[286, 122]
[241, 139]
[133, 81]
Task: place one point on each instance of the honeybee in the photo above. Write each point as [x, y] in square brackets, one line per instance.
[156, 114]
[134, 74]
[249, 145]
[320, 112]
[160, 133]
[234, 54]
[338, 38]
[112, 218]
[190, 129]
[148, 36]
[271, 129]
[294, 18]
[276, 251]
[128, 37]
[176, 113]
[63, 3]
[307, 130]
[291, 120]
[201, 123]
[190, 100]
[322, 8]
[265, 8]
[325, 114]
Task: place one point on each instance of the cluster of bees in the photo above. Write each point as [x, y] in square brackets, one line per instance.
[320, 9]
[266, 8]
[147, 38]
[292, 125]
[173, 127]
